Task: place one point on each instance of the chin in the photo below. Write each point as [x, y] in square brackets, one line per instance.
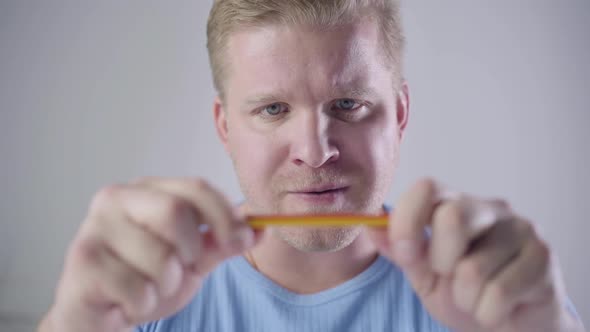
[318, 239]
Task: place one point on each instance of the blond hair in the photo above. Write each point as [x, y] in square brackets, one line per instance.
[227, 16]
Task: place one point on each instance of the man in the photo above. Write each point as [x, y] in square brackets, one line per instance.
[311, 107]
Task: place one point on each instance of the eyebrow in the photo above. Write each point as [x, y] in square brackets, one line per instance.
[353, 92]
[338, 91]
[262, 99]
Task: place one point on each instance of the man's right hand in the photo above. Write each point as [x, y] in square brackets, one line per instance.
[140, 254]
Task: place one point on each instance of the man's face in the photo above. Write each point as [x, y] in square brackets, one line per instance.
[312, 122]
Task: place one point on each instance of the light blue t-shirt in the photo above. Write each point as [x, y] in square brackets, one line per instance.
[236, 297]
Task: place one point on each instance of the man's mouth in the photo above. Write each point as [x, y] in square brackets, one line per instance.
[321, 194]
[322, 191]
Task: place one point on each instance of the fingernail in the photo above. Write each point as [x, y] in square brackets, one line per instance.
[406, 251]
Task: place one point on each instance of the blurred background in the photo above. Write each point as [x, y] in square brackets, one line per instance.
[98, 92]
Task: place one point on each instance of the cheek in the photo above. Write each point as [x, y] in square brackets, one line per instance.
[386, 143]
[374, 144]
[255, 157]
[385, 135]
[385, 152]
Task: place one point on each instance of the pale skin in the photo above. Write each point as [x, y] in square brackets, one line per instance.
[139, 255]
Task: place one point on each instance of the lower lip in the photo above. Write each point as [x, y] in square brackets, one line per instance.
[325, 198]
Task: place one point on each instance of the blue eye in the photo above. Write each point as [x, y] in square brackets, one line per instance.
[347, 104]
[274, 109]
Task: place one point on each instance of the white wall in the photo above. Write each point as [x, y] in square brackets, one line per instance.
[94, 92]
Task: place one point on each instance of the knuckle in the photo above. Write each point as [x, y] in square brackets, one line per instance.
[501, 202]
[198, 183]
[549, 292]
[164, 256]
[105, 197]
[498, 293]
[471, 272]
[525, 227]
[143, 292]
[170, 275]
[542, 250]
[90, 290]
[141, 299]
[426, 187]
[85, 249]
[94, 226]
[535, 230]
[452, 214]
[175, 209]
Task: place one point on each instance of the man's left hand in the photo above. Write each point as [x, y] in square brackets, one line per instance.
[474, 264]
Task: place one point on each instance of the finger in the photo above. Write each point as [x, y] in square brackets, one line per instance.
[409, 220]
[485, 258]
[107, 283]
[506, 290]
[406, 235]
[456, 225]
[420, 275]
[142, 250]
[166, 216]
[230, 229]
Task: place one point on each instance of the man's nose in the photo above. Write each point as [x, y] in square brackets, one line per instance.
[312, 143]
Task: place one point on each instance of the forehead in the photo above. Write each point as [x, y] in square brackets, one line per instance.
[303, 59]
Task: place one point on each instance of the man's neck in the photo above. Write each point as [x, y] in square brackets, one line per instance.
[311, 272]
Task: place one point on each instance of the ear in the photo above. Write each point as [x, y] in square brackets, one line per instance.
[219, 115]
[403, 107]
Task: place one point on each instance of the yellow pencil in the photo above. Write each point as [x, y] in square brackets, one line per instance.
[258, 222]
